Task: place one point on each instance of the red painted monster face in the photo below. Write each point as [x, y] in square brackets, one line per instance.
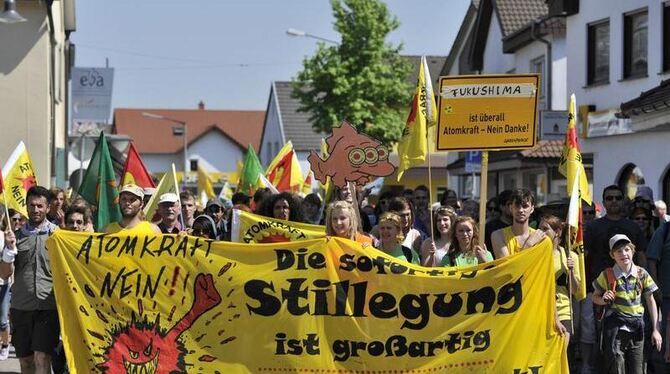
[142, 349]
[141, 360]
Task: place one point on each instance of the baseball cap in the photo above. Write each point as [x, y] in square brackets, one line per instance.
[133, 189]
[214, 202]
[616, 239]
[168, 198]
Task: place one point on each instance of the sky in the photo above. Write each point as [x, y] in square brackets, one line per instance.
[174, 53]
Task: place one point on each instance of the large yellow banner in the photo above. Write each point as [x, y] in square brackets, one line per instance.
[253, 228]
[170, 304]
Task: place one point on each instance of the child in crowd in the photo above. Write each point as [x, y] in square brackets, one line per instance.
[620, 288]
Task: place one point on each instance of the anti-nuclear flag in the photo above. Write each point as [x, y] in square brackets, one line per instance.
[284, 170]
[572, 168]
[178, 304]
[167, 184]
[205, 184]
[134, 171]
[307, 184]
[577, 241]
[253, 228]
[571, 158]
[18, 175]
[226, 192]
[413, 145]
[99, 187]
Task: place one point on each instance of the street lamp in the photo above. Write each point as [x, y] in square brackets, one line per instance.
[176, 131]
[295, 32]
[10, 15]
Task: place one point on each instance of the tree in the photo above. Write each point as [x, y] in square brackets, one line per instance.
[362, 80]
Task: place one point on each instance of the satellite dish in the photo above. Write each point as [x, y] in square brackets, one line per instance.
[82, 148]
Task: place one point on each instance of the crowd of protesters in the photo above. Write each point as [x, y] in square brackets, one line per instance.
[619, 328]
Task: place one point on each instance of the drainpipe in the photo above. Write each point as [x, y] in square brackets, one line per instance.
[52, 88]
[548, 57]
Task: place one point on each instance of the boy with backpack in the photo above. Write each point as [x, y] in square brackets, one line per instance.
[620, 288]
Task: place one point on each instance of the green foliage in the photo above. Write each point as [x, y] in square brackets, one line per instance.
[363, 79]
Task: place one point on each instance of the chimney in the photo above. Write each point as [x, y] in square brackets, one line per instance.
[201, 105]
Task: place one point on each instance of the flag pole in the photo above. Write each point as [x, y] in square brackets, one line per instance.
[568, 249]
[4, 197]
[483, 189]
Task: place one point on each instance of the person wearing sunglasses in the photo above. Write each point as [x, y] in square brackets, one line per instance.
[16, 219]
[597, 234]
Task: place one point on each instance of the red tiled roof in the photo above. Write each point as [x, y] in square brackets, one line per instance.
[545, 149]
[152, 135]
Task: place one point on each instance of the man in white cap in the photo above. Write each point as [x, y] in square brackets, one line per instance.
[130, 202]
[168, 210]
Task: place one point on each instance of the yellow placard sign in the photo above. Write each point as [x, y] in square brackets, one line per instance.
[131, 303]
[487, 112]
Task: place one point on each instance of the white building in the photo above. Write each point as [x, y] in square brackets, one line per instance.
[34, 71]
[216, 139]
[619, 49]
[507, 37]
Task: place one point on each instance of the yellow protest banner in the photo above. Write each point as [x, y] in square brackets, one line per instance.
[178, 304]
[487, 112]
[253, 228]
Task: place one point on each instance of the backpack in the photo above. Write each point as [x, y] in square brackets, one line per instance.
[611, 286]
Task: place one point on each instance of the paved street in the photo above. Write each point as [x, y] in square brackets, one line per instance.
[10, 366]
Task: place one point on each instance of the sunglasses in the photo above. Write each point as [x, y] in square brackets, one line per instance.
[611, 198]
[16, 219]
[591, 212]
[641, 219]
[491, 208]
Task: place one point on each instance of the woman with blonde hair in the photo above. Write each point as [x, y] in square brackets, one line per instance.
[434, 249]
[391, 237]
[466, 249]
[342, 222]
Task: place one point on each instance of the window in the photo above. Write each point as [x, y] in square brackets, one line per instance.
[194, 164]
[537, 66]
[666, 36]
[630, 177]
[635, 44]
[598, 53]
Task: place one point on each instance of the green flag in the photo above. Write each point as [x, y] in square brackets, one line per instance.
[99, 186]
[250, 172]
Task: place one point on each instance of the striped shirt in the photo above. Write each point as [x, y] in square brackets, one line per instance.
[628, 295]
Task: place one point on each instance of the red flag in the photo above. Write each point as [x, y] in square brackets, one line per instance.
[135, 172]
[284, 174]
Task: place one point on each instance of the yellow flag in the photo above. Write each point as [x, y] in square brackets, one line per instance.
[226, 192]
[205, 184]
[307, 185]
[167, 184]
[413, 145]
[18, 176]
[328, 186]
[284, 171]
[571, 159]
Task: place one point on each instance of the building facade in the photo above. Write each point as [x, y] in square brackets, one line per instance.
[620, 49]
[34, 71]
